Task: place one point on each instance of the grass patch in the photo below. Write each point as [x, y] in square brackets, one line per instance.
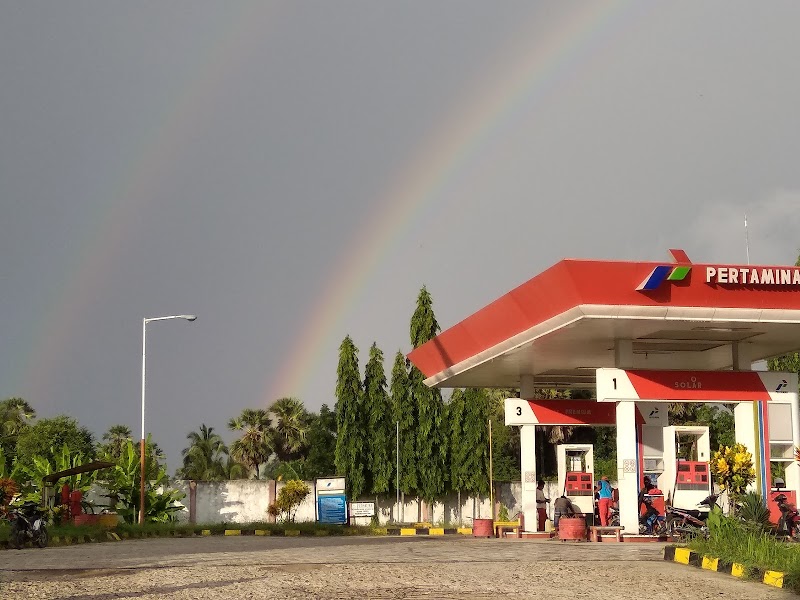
[754, 549]
[135, 531]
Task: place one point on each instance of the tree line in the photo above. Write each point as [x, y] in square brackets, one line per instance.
[383, 434]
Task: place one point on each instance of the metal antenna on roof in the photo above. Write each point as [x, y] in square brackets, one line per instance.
[746, 239]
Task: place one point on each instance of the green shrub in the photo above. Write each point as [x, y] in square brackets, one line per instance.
[289, 500]
[735, 541]
[754, 512]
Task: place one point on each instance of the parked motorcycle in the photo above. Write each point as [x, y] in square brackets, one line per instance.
[683, 523]
[789, 522]
[27, 525]
[649, 523]
[613, 517]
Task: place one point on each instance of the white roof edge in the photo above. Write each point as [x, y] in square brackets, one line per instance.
[607, 311]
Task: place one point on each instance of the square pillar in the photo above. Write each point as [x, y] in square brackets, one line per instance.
[526, 387]
[623, 354]
[746, 432]
[793, 469]
[628, 466]
[527, 439]
[740, 355]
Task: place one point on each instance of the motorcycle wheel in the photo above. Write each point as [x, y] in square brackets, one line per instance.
[16, 537]
[671, 525]
[660, 528]
[42, 538]
[795, 535]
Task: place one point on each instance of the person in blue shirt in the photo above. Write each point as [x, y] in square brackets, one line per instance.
[605, 494]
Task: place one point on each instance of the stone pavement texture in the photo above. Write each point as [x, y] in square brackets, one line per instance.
[363, 567]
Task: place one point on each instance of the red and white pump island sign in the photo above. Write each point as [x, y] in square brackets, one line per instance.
[694, 386]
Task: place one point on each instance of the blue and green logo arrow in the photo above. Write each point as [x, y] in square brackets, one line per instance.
[663, 273]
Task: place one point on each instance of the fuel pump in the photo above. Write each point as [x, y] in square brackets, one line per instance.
[576, 475]
[686, 479]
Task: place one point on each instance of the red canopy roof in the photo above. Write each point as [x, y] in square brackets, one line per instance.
[563, 324]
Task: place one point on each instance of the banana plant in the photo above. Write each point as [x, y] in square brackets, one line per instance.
[123, 485]
[31, 475]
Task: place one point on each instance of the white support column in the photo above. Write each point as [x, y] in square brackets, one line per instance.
[527, 435]
[744, 423]
[623, 354]
[627, 462]
[793, 469]
[627, 447]
[526, 386]
[741, 355]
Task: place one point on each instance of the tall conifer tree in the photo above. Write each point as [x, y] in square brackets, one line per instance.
[380, 434]
[350, 423]
[469, 439]
[405, 415]
[455, 431]
[431, 440]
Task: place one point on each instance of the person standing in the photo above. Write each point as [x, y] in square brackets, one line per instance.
[604, 500]
[541, 506]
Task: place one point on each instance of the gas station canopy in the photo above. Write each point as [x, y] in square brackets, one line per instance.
[566, 322]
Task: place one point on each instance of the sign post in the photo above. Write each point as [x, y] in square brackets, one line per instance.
[331, 500]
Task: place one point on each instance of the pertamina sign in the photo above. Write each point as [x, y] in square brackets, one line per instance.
[763, 276]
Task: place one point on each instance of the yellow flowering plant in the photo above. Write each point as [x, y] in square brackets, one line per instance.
[732, 467]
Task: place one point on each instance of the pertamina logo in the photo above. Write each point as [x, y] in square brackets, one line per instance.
[663, 273]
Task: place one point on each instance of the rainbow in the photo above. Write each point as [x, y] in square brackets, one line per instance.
[531, 70]
[534, 68]
[133, 188]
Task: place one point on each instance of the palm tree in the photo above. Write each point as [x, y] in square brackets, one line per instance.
[116, 438]
[232, 469]
[204, 459]
[256, 444]
[290, 423]
[15, 414]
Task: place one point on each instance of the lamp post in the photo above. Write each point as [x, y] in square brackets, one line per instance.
[142, 446]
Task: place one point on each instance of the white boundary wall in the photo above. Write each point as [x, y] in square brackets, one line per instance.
[246, 501]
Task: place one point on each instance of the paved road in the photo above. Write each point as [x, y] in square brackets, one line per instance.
[365, 567]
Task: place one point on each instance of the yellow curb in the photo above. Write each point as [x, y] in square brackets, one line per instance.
[292, 532]
[380, 531]
[423, 525]
[408, 531]
[205, 532]
[436, 531]
[113, 536]
[737, 570]
[233, 532]
[682, 555]
[263, 532]
[321, 532]
[710, 563]
[465, 530]
[773, 578]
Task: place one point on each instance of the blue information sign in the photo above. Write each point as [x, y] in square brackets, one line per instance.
[332, 508]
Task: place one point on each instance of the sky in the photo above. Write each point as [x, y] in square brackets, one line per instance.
[294, 172]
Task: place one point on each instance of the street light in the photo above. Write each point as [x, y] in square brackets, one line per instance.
[142, 446]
